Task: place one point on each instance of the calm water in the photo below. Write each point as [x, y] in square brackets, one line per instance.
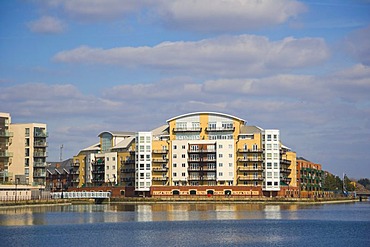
[187, 225]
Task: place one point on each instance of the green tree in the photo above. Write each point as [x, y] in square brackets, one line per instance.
[365, 182]
[332, 183]
[348, 185]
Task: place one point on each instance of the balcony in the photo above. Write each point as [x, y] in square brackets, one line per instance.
[39, 175]
[160, 160]
[284, 161]
[129, 161]
[75, 164]
[39, 154]
[160, 151]
[160, 178]
[40, 144]
[75, 172]
[160, 169]
[98, 171]
[202, 151]
[253, 159]
[39, 164]
[242, 150]
[6, 133]
[250, 178]
[6, 154]
[198, 129]
[41, 134]
[202, 178]
[249, 169]
[220, 129]
[128, 170]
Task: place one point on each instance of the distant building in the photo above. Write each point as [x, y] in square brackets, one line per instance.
[193, 154]
[59, 175]
[23, 152]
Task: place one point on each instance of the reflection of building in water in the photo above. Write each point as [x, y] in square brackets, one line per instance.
[272, 212]
[144, 213]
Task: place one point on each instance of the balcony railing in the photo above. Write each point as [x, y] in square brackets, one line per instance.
[129, 161]
[160, 169]
[160, 151]
[244, 159]
[39, 174]
[213, 129]
[243, 150]
[250, 178]
[40, 144]
[249, 169]
[202, 151]
[39, 154]
[41, 134]
[160, 178]
[5, 154]
[160, 160]
[39, 164]
[76, 164]
[6, 133]
[197, 129]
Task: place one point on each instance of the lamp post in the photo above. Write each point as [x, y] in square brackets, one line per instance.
[16, 189]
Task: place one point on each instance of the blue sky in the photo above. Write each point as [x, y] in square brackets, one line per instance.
[86, 66]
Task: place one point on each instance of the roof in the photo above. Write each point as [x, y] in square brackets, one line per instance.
[161, 130]
[125, 143]
[59, 167]
[118, 133]
[209, 113]
[244, 129]
[95, 147]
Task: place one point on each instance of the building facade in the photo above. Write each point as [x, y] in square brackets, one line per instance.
[193, 154]
[23, 152]
[310, 176]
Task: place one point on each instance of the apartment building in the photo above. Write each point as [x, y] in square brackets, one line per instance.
[310, 175]
[6, 157]
[24, 151]
[198, 153]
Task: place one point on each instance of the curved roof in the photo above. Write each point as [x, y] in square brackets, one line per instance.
[118, 133]
[209, 113]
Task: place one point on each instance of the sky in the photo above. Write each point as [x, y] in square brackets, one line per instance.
[87, 66]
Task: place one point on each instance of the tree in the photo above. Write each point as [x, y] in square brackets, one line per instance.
[348, 184]
[332, 183]
[365, 182]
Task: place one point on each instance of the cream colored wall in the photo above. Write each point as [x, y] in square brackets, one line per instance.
[17, 147]
[292, 156]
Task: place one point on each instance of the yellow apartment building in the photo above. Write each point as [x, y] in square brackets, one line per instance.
[199, 153]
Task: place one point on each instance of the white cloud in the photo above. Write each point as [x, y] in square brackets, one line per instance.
[47, 24]
[231, 15]
[196, 15]
[231, 56]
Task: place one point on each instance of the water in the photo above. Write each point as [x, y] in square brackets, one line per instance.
[187, 225]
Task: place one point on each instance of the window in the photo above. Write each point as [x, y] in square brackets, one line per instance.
[183, 156]
[174, 147]
[269, 165]
[230, 164]
[148, 166]
[230, 155]
[107, 158]
[183, 147]
[268, 137]
[220, 155]
[220, 146]
[269, 183]
[230, 174]
[174, 165]
[275, 183]
[269, 174]
[275, 165]
[268, 146]
[276, 175]
[175, 174]
[174, 156]
[183, 174]
[275, 137]
[220, 174]
[114, 167]
[107, 167]
[220, 165]
[183, 164]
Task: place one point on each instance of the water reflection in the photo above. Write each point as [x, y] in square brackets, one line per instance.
[120, 212]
